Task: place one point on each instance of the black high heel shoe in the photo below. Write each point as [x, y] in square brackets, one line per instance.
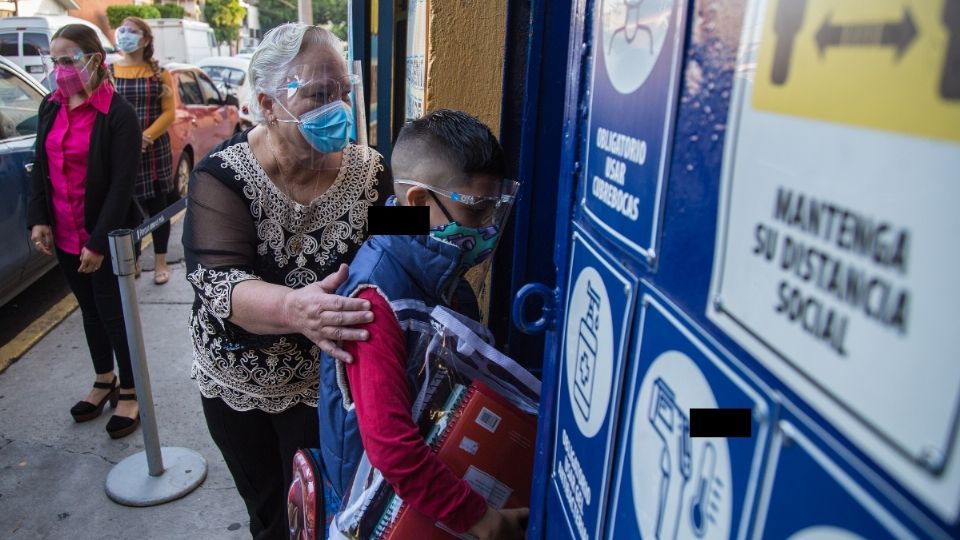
[85, 411]
[121, 426]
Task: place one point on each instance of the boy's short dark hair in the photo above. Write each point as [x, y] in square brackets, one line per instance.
[455, 137]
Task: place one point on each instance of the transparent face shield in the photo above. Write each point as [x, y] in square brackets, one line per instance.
[78, 65]
[477, 218]
[129, 38]
[314, 118]
[475, 210]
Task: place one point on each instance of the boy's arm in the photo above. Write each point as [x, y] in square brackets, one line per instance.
[380, 391]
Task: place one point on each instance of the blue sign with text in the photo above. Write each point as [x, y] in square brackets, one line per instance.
[636, 67]
[599, 306]
[668, 485]
[808, 496]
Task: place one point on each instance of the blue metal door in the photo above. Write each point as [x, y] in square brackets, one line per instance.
[751, 214]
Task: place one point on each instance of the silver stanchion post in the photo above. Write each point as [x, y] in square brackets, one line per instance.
[156, 475]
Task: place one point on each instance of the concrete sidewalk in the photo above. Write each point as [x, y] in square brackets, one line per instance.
[52, 470]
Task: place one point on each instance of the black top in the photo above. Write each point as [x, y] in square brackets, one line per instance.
[240, 226]
[111, 171]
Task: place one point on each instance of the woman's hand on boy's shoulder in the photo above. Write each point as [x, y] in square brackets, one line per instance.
[507, 524]
[325, 318]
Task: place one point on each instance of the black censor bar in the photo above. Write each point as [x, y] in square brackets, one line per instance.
[721, 423]
[155, 221]
[398, 220]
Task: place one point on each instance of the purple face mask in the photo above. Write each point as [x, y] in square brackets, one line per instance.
[71, 80]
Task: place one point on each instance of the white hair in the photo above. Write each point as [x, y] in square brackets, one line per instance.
[277, 50]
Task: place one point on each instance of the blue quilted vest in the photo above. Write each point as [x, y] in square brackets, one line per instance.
[415, 273]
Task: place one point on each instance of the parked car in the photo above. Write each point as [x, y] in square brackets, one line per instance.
[230, 74]
[25, 40]
[182, 40]
[204, 119]
[20, 263]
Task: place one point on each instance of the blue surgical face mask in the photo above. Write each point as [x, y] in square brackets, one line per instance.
[327, 128]
[128, 42]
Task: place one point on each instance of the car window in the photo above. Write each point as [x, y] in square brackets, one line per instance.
[35, 44]
[189, 89]
[232, 76]
[236, 76]
[210, 94]
[19, 103]
[215, 72]
[8, 44]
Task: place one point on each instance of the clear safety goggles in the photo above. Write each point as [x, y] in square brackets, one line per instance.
[482, 210]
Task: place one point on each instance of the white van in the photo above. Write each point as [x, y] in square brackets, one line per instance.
[181, 40]
[24, 39]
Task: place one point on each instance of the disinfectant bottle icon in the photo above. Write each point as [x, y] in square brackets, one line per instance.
[586, 359]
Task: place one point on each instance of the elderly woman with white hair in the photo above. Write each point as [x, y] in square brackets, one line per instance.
[274, 215]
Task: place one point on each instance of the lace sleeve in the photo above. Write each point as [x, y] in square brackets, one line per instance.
[384, 182]
[219, 243]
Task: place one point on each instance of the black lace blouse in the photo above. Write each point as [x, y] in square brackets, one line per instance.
[241, 226]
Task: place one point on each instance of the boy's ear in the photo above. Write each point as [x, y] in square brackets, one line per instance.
[415, 196]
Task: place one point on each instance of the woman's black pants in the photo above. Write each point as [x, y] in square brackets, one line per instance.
[99, 297]
[258, 448]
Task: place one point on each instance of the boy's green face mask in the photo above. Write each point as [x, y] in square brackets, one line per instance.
[476, 243]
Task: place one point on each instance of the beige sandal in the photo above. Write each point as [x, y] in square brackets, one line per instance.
[161, 276]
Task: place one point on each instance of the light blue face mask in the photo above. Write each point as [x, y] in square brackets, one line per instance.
[128, 42]
[327, 128]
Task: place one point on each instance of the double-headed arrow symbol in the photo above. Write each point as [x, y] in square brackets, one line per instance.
[898, 34]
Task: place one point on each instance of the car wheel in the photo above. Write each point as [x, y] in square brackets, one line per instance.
[184, 166]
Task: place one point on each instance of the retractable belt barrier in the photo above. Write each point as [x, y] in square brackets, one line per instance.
[158, 220]
[171, 472]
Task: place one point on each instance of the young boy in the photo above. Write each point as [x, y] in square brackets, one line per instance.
[450, 162]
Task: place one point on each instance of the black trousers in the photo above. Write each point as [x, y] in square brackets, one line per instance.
[99, 297]
[258, 448]
[153, 206]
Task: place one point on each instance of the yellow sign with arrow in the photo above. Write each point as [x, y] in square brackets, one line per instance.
[885, 64]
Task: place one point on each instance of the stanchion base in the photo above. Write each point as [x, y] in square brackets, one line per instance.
[130, 484]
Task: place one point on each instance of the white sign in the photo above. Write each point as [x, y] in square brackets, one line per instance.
[589, 351]
[836, 253]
